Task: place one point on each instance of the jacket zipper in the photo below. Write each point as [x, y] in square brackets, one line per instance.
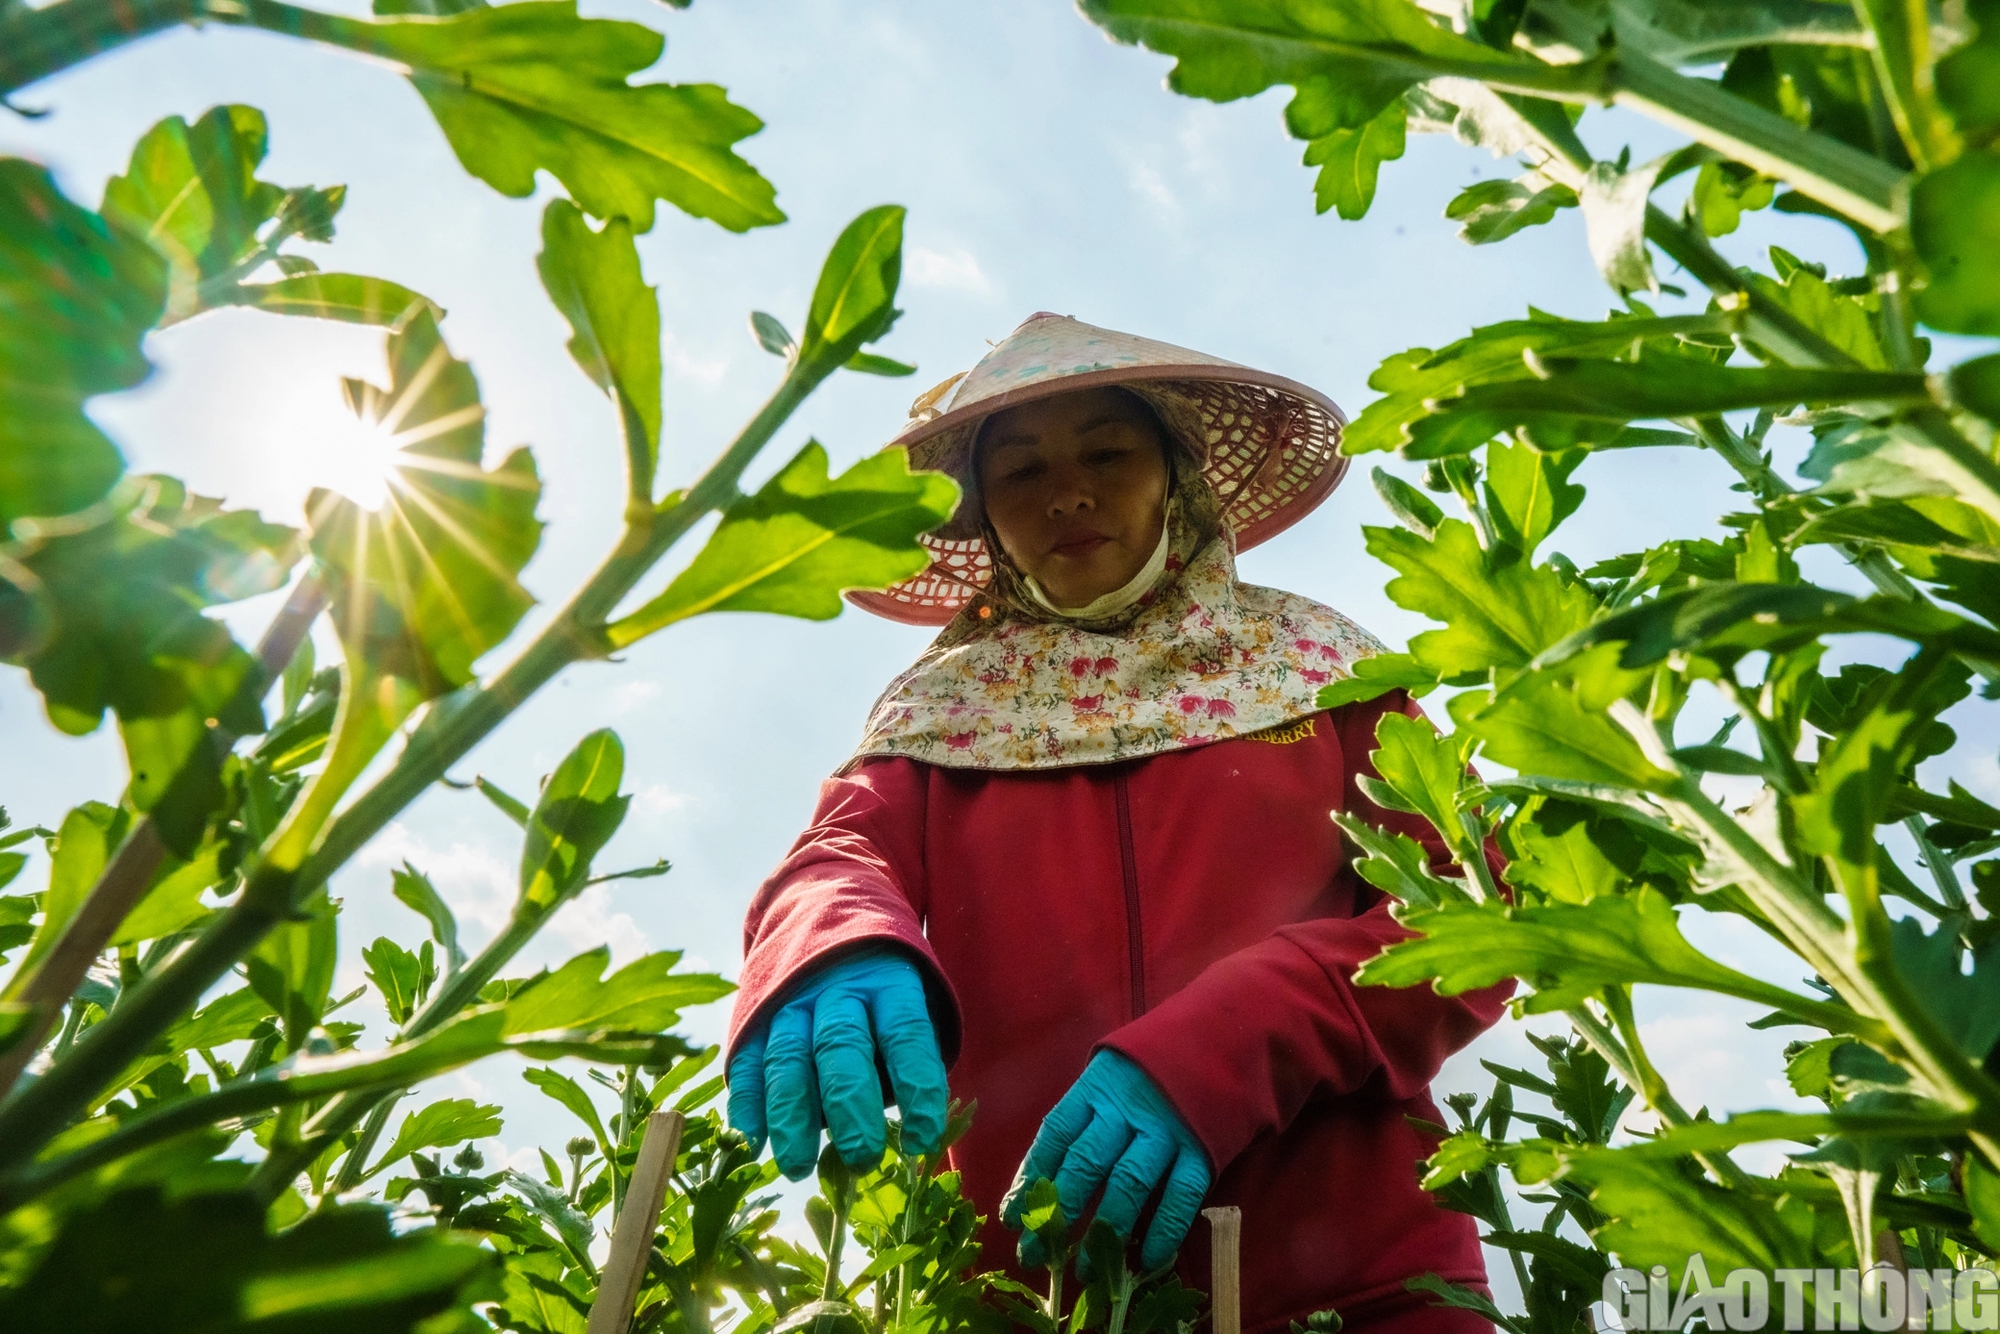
[1134, 938]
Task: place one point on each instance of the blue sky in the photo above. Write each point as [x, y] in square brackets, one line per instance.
[1044, 168]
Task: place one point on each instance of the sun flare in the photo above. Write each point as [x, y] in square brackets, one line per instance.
[353, 457]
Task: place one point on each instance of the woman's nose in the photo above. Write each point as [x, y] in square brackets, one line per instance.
[1068, 497]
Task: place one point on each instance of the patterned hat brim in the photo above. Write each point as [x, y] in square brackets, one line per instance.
[1269, 445]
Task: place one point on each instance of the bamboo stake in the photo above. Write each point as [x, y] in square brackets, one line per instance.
[632, 1233]
[1225, 1233]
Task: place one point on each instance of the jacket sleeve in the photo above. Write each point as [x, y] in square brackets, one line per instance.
[855, 877]
[1243, 1047]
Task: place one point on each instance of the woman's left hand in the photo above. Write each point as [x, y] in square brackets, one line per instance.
[1114, 1127]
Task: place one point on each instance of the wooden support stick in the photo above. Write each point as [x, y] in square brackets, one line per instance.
[1225, 1234]
[632, 1233]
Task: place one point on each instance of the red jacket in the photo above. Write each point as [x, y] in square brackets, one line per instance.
[1195, 911]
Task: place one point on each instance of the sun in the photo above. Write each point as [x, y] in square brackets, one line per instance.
[345, 454]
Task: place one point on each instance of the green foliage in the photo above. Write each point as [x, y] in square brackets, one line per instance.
[79, 296]
[467, 528]
[1585, 683]
[181, 1162]
[805, 538]
[527, 87]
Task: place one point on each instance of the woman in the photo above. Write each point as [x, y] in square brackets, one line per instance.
[1083, 855]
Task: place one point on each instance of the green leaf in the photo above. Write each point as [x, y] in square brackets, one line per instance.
[1376, 676]
[578, 812]
[771, 334]
[1412, 508]
[1349, 160]
[1964, 1005]
[525, 87]
[292, 968]
[854, 302]
[1421, 773]
[1719, 618]
[1346, 62]
[870, 364]
[438, 1126]
[1968, 80]
[192, 192]
[1575, 403]
[1724, 192]
[414, 890]
[161, 1258]
[83, 846]
[645, 995]
[1567, 951]
[1396, 864]
[1553, 851]
[1545, 725]
[172, 902]
[504, 802]
[349, 298]
[108, 615]
[1614, 218]
[399, 976]
[469, 530]
[1955, 226]
[1842, 320]
[1493, 618]
[1490, 211]
[1659, 1213]
[595, 281]
[76, 298]
[571, 1095]
[1411, 380]
[1529, 493]
[804, 539]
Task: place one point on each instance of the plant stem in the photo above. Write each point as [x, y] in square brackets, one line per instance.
[36, 43]
[1720, 1165]
[843, 1200]
[1842, 177]
[1936, 863]
[36, 1114]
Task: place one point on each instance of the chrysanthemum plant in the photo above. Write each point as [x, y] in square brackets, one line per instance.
[189, 1137]
[1803, 815]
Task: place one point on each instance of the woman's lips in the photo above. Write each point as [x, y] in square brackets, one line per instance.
[1081, 545]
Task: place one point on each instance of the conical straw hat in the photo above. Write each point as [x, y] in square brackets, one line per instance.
[1268, 445]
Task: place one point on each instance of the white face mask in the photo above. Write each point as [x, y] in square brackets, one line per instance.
[1118, 599]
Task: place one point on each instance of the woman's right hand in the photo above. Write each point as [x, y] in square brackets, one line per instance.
[813, 1064]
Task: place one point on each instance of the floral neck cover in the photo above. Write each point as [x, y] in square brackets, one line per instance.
[1205, 659]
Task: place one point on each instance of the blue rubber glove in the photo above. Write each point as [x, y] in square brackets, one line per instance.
[1114, 1127]
[813, 1063]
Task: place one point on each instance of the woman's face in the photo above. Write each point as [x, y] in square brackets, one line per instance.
[1076, 489]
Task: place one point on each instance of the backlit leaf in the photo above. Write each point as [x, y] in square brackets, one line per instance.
[1955, 225]
[804, 539]
[578, 812]
[439, 1125]
[594, 279]
[1493, 618]
[347, 297]
[645, 995]
[854, 302]
[1566, 951]
[109, 616]
[154, 1258]
[424, 586]
[76, 298]
[1349, 159]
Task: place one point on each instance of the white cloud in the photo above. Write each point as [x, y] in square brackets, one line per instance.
[707, 370]
[659, 799]
[1146, 179]
[586, 922]
[948, 270]
[631, 695]
[478, 886]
